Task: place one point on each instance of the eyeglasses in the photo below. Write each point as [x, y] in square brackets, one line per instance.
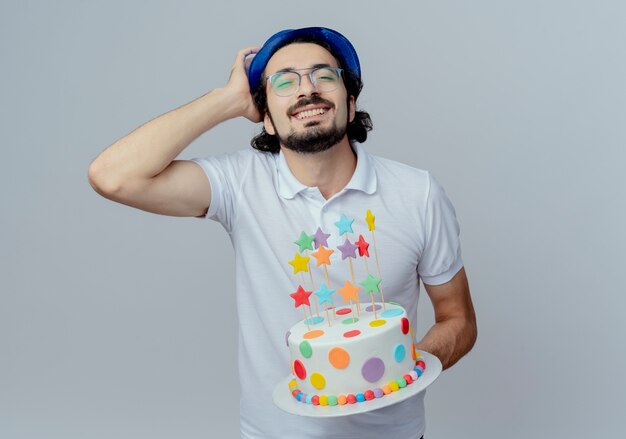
[287, 82]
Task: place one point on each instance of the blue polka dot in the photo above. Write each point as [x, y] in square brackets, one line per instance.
[360, 397]
[315, 320]
[399, 352]
[309, 399]
[392, 312]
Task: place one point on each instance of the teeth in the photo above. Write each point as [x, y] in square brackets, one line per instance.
[310, 113]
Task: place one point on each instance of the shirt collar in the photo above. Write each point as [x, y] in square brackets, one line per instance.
[363, 179]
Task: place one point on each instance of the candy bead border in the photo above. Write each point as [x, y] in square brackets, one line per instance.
[367, 395]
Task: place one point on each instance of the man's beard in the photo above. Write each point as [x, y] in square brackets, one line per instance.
[314, 140]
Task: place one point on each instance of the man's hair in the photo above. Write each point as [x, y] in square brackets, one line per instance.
[356, 130]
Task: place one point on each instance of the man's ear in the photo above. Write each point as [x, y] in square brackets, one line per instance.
[352, 108]
[269, 126]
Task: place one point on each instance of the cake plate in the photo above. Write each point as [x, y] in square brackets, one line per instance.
[284, 399]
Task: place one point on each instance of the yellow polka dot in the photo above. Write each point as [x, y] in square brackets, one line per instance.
[324, 400]
[379, 322]
[394, 386]
[292, 384]
[318, 381]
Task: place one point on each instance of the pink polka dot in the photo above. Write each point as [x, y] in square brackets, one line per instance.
[352, 333]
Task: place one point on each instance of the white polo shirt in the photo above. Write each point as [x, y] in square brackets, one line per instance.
[264, 208]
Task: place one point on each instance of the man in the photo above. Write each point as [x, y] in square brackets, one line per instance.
[303, 85]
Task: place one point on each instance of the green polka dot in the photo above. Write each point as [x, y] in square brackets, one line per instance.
[350, 320]
[401, 382]
[305, 349]
[332, 400]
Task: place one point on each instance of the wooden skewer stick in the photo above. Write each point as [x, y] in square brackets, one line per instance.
[358, 303]
[328, 285]
[367, 271]
[317, 311]
[382, 296]
[306, 318]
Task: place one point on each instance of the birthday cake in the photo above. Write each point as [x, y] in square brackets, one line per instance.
[352, 353]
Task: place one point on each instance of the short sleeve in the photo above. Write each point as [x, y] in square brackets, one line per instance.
[225, 174]
[441, 257]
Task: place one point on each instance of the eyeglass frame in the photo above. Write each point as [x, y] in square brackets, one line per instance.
[338, 70]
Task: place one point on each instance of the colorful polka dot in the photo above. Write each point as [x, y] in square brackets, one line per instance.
[401, 382]
[343, 311]
[332, 400]
[299, 369]
[342, 400]
[369, 395]
[404, 323]
[378, 392]
[318, 381]
[350, 320]
[370, 309]
[315, 400]
[315, 320]
[394, 386]
[373, 369]
[313, 334]
[323, 400]
[351, 398]
[305, 349]
[360, 397]
[399, 353]
[339, 358]
[292, 384]
[353, 333]
[376, 323]
[392, 312]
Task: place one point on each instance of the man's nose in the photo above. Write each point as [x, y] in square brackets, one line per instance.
[307, 88]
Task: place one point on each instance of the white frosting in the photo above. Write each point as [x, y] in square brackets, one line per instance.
[373, 341]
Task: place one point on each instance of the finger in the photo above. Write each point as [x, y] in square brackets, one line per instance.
[244, 53]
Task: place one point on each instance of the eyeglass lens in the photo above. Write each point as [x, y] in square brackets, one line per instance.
[287, 83]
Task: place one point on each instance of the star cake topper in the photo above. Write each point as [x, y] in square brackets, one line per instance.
[301, 296]
[300, 263]
[322, 255]
[348, 250]
[321, 238]
[344, 224]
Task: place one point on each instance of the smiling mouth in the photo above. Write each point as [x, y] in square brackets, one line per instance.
[307, 114]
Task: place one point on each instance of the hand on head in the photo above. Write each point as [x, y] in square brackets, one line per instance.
[238, 84]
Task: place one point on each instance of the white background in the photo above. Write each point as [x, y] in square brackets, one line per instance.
[119, 323]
